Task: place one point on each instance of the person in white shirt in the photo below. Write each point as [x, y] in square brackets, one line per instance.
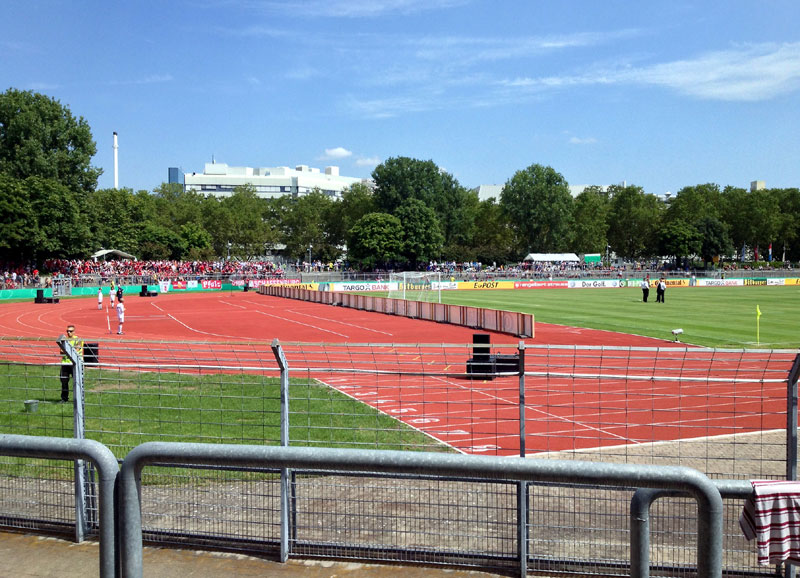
[120, 315]
[645, 288]
[99, 298]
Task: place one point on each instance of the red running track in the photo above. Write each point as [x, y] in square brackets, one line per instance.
[475, 416]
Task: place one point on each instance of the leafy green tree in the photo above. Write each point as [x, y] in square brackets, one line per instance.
[735, 214]
[788, 238]
[306, 224]
[461, 226]
[766, 218]
[175, 207]
[116, 217]
[16, 220]
[218, 222]
[678, 239]
[197, 242]
[692, 204]
[249, 233]
[590, 221]
[422, 240]
[715, 240]
[357, 201]
[494, 239]
[538, 204]
[753, 217]
[634, 219]
[157, 242]
[376, 241]
[60, 227]
[401, 178]
[40, 137]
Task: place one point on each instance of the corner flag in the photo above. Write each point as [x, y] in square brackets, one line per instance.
[758, 325]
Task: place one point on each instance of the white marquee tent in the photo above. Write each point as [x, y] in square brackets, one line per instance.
[112, 253]
[552, 257]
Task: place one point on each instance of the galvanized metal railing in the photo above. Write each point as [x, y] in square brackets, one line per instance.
[701, 488]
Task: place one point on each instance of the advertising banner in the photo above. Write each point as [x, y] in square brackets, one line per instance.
[720, 282]
[164, 286]
[259, 282]
[594, 284]
[444, 286]
[211, 284]
[540, 284]
[486, 285]
[755, 281]
[366, 286]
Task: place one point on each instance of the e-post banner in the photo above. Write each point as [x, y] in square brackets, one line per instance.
[485, 285]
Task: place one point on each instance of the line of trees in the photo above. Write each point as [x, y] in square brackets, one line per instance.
[415, 212]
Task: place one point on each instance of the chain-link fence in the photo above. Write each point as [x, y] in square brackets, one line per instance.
[723, 412]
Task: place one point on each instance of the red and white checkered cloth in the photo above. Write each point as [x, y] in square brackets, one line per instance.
[772, 515]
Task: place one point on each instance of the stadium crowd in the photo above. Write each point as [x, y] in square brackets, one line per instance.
[92, 272]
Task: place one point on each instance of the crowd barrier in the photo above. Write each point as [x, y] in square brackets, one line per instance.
[510, 322]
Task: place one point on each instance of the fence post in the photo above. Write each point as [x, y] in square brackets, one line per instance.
[78, 432]
[277, 350]
[522, 487]
[521, 355]
[791, 436]
[791, 420]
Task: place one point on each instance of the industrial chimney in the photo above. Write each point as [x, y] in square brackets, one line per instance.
[116, 162]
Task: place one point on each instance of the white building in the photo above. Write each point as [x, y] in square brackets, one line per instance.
[219, 179]
[489, 191]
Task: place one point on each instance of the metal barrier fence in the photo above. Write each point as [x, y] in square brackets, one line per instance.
[727, 413]
[510, 322]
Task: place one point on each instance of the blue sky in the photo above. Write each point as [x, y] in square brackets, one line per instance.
[660, 94]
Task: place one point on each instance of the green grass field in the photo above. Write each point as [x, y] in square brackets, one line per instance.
[709, 316]
[124, 409]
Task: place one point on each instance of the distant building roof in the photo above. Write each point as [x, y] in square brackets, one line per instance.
[486, 192]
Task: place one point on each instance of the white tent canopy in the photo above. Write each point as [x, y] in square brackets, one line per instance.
[552, 257]
[114, 253]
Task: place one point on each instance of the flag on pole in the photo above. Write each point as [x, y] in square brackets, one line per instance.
[770, 252]
[758, 325]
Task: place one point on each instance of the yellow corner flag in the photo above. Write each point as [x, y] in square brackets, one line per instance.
[758, 325]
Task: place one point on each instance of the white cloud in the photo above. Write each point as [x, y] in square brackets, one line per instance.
[152, 79]
[582, 141]
[356, 8]
[750, 73]
[368, 161]
[43, 86]
[337, 153]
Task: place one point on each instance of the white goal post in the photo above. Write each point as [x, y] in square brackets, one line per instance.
[417, 286]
